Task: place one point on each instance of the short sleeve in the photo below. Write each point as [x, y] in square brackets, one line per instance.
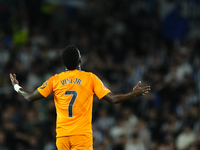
[46, 88]
[99, 89]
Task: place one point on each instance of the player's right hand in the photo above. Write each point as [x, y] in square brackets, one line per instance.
[141, 91]
[13, 79]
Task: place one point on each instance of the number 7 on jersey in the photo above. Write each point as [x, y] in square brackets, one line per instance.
[71, 103]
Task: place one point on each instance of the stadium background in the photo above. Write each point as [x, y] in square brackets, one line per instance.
[155, 41]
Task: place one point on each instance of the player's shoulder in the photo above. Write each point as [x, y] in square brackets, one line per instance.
[87, 73]
[81, 73]
[57, 75]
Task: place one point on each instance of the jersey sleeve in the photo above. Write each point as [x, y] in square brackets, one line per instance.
[99, 89]
[46, 88]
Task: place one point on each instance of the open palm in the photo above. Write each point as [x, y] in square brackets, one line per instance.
[141, 90]
[13, 79]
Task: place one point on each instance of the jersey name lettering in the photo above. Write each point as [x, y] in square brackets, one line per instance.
[70, 81]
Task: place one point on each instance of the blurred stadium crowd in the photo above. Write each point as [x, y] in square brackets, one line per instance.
[122, 43]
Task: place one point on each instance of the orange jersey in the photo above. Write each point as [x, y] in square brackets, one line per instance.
[73, 96]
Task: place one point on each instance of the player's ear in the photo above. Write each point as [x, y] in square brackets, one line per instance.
[79, 56]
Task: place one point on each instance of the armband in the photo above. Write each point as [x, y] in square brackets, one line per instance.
[17, 87]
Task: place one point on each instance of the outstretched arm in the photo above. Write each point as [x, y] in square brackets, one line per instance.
[29, 96]
[118, 98]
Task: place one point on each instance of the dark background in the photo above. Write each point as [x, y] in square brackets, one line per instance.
[122, 42]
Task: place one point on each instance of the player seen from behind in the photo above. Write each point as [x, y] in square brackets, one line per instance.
[73, 91]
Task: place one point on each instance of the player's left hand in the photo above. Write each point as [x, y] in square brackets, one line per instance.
[13, 79]
[141, 91]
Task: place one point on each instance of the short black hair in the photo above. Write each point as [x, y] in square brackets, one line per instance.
[70, 57]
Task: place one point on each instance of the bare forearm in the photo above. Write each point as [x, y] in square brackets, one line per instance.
[25, 94]
[30, 96]
[118, 98]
